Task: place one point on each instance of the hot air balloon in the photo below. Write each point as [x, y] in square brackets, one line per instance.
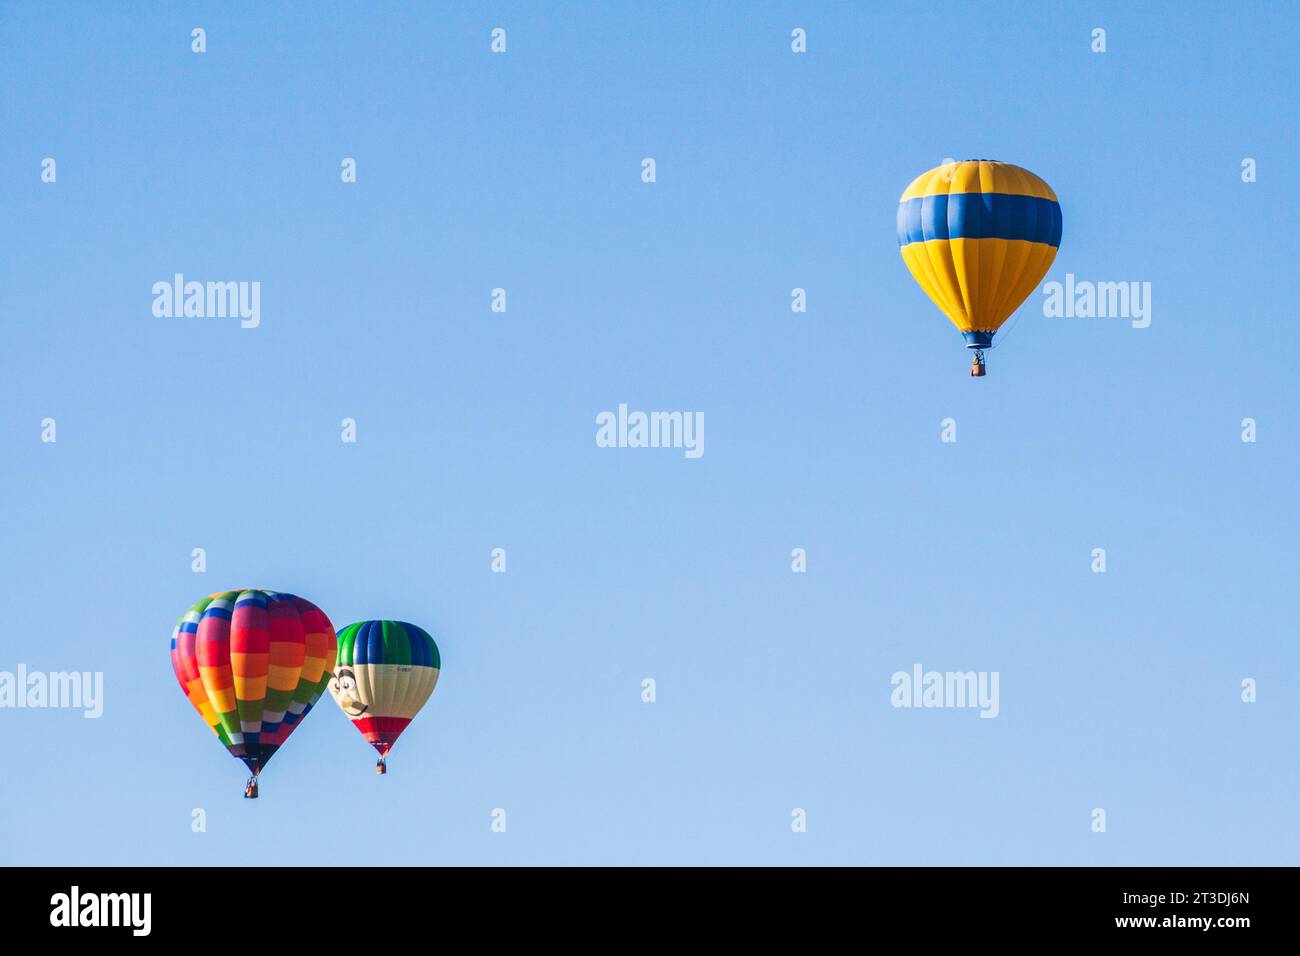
[385, 672]
[253, 663]
[978, 236]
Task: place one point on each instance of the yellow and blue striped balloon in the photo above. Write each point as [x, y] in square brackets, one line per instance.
[978, 236]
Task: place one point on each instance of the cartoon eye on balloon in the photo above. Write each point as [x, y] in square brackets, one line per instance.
[384, 673]
[978, 236]
[253, 662]
[343, 688]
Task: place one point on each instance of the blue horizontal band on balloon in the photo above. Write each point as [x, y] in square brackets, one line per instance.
[979, 216]
[978, 339]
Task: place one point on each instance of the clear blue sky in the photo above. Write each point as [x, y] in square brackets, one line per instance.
[476, 430]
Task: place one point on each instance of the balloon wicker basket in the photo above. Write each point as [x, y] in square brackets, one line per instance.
[977, 365]
[381, 767]
[250, 789]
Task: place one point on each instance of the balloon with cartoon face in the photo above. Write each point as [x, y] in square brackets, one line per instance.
[385, 671]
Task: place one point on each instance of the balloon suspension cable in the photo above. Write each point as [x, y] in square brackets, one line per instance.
[977, 364]
[381, 767]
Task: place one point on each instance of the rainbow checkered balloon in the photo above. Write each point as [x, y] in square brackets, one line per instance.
[253, 662]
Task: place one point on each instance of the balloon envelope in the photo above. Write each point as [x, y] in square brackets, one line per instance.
[978, 236]
[253, 662]
[385, 672]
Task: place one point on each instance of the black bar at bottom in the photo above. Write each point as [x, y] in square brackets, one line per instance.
[262, 904]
